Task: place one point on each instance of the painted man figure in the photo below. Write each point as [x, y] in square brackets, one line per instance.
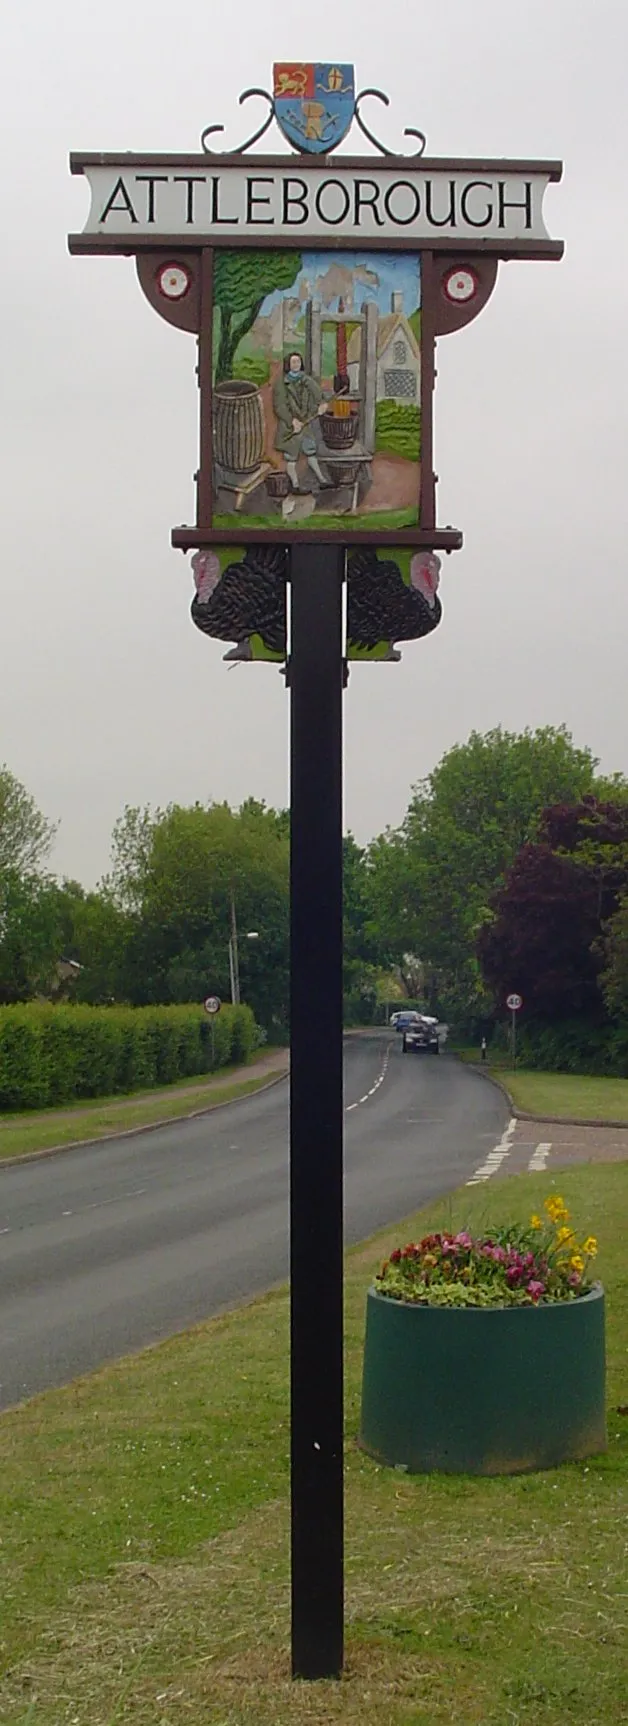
[298, 403]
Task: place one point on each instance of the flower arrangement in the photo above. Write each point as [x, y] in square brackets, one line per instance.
[511, 1266]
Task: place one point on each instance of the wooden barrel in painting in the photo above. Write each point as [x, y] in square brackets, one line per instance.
[238, 418]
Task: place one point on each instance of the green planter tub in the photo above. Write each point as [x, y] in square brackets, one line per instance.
[483, 1390]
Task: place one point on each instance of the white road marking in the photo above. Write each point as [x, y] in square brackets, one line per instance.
[494, 1158]
[538, 1160]
[374, 1087]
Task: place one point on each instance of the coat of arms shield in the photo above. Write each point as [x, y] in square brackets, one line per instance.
[314, 105]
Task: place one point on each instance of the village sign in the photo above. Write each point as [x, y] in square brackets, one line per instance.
[316, 287]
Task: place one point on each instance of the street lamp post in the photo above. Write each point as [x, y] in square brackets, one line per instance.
[234, 962]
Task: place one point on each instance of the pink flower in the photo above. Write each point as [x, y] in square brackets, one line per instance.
[536, 1289]
[463, 1239]
[497, 1254]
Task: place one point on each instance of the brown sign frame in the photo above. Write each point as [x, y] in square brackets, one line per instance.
[194, 312]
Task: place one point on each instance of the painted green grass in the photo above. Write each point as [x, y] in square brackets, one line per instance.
[20, 1134]
[145, 1538]
[380, 519]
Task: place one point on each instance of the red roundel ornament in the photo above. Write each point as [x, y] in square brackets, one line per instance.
[174, 281]
[460, 286]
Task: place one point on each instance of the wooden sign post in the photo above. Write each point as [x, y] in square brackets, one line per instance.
[316, 288]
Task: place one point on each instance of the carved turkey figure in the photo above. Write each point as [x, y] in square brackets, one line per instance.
[380, 604]
[248, 599]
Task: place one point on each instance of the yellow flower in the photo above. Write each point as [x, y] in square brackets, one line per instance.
[590, 1246]
[576, 1262]
[535, 1222]
[556, 1209]
[563, 1236]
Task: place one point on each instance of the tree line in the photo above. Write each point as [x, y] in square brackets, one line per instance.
[509, 871]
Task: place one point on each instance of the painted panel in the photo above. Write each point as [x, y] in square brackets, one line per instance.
[316, 390]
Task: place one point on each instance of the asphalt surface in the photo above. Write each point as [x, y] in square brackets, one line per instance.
[108, 1248]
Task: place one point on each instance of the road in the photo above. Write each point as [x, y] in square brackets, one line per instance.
[106, 1249]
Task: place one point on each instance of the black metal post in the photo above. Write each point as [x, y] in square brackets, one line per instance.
[316, 1111]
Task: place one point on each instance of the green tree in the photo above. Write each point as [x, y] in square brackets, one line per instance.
[96, 933]
[242, 281]
[545, 938]
[360, 951]
[433, 880]
[25, 834]
[614, 977]
[30, 935]
[174, 875]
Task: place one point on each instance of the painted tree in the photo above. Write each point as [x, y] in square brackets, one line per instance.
[242, 281]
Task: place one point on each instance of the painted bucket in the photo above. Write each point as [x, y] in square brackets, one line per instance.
[339, 434]
[238, 425]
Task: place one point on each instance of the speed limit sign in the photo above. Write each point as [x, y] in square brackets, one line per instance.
[514, 1002]
[212, 1004]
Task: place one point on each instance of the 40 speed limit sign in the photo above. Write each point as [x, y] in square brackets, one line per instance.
[514, 1002]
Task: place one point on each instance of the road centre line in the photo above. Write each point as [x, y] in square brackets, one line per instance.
[375, 1087]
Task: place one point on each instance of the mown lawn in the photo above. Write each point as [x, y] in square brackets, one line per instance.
[24, 1133]
[569, 1094]
[572, 1096]
[144, 1524]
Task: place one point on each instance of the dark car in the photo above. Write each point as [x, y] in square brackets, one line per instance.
[421, 1035]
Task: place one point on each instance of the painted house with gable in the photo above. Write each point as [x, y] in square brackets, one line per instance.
[398, 358]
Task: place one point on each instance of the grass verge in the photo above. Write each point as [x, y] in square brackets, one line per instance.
[572, 1096]
[21, 1134]
[145, 1538]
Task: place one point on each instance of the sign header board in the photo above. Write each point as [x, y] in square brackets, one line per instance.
[196, 200]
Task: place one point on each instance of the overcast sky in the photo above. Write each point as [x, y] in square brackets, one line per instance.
[108, 695]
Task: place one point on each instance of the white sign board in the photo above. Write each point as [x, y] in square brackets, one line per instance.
[212, 1004]
[198, 199]
[514, 1002]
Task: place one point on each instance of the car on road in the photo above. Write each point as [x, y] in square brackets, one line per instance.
[407, 1016]
[421, 1036]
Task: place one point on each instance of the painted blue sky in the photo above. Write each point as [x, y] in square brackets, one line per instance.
[376, 275]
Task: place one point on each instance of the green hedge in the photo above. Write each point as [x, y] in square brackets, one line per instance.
[58, 1054]
[398, 429]
[574, 1046]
